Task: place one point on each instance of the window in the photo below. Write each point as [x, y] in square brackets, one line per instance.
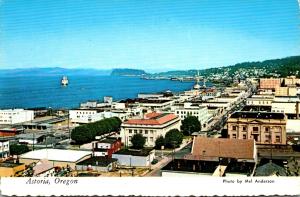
[267, 138]
[151, 139]
[244, 136]
[234, 136]
[244, 128]
[135, 131]
[255, 128]
[141, 131]
[151, 131]
[177, 112]
[130, 131]
[146, 131]
[277, 138]
[267, 129]
[234, 128]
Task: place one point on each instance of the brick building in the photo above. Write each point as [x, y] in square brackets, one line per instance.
[263, 127]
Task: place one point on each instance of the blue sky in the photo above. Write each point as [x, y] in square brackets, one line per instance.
[146, 34]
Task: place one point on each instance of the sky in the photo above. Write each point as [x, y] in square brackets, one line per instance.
[146, 34]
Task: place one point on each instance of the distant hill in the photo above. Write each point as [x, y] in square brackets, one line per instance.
[127, 72]
[51, 72]
[283, 67]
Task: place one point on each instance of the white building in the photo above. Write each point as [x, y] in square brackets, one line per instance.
[260, 100]
[88, 104]
[14, 116]
[201, 112]
[4, 148]
[288, 105]
[151, 127]
[84, 115]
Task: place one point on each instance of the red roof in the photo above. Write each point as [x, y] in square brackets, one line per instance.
[208, 148]
[153, 119]
[152, 115]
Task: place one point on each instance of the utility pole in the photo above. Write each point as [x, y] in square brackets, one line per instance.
[33, 135]
[69, 126]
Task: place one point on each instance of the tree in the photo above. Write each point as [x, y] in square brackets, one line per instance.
[224, 133]
[160, 141]
[87, 133]
[80, 135]
[18, 149]
[173, 138]
[190, 125]
[138, 141]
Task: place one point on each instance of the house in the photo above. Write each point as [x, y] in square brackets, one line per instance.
[134, 158]
[43, 168]
[264, 127]
[14, 116]
[8, 169]
[215, 157]
[151, 127]
[106, 147]
[100, 164]
[59, 157]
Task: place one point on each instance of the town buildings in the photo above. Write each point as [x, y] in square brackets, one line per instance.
[189, 109]
[85, 115]
[4, 149]
[14, 116]
[263, 127]
[135, 158]
[9, 169]
[151, 127]
[106, 147]
[99, 164]
[59, 157]
[215, 157]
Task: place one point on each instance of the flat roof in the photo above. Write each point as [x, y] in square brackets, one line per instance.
[98, 161]
[143, 152]
[9, 164]
[260, 115]
[56, 155]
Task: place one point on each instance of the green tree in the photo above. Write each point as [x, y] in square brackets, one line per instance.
[138, 141]
[160, 141]
[173, 138]
[190, 125]
[18, 149]
[81, 135]
[86, 133]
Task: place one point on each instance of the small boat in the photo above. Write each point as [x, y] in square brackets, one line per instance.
[64, 81]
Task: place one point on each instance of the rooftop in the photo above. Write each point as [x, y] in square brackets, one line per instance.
[143, 152]
[270, 169]
[97, 161]
[258, 115]
[153, 119]
[214, 148]
[56, 155]
[9, 164]
[109, 140]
